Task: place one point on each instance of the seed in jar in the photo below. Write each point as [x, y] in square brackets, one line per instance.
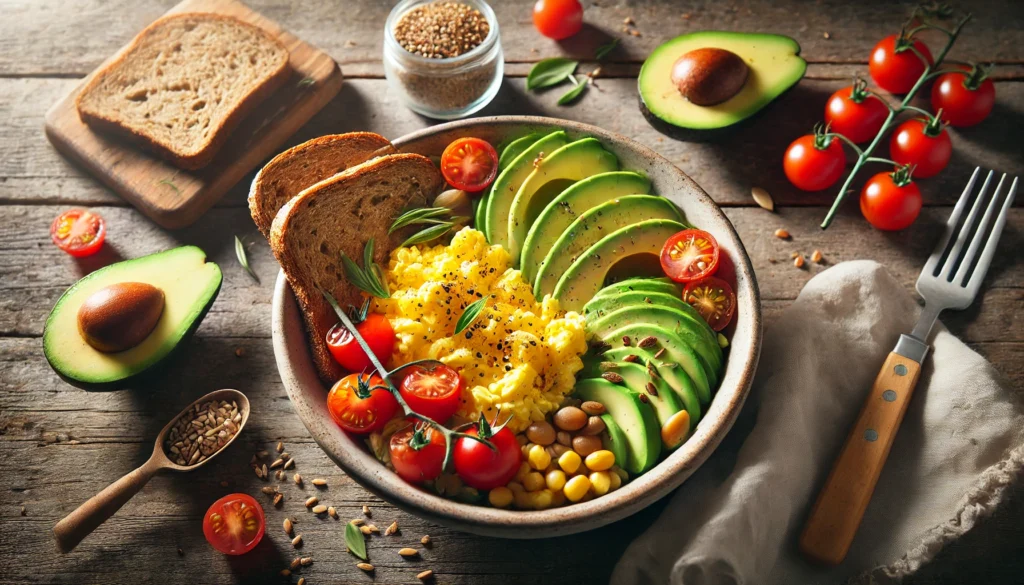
[541, 433]
[570, 418]
[585, 445]
[441, 30]
[592, 408]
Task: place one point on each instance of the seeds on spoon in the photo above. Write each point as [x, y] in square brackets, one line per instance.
[202, 431]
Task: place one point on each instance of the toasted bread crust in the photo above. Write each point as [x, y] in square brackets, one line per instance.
[203, 156]
[338, 216]
[295, 169]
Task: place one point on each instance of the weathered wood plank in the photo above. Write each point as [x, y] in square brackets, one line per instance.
[33, 172]
[353, 35]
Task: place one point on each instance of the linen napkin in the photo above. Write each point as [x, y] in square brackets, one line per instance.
[737, 520]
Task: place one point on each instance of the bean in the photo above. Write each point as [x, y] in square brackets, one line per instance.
[570, 418]
[558, 449]
[564, 438]
[592, 408]
[541, 433]
[594, 426]
[586, 444]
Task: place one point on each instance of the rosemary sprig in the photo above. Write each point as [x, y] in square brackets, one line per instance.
[470, 314]
[243, 258]
[170, 184]
[429, 234]
[369, 278]
[604, 50]
[439, 220]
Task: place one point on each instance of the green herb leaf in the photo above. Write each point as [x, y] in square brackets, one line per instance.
[170, 184]
[470, 314]
[548, 72]
[420, 215]
[573, 93]
[429, 234]
[355, 541]
[306, 82]
[369, 278]
[243, 258]
[604, 50]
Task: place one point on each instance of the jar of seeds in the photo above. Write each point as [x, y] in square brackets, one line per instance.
[443, 57]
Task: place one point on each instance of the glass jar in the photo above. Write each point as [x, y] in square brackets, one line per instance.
[445, 88]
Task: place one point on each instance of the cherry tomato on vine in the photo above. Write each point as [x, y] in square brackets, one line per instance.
[923, 144]
[814, 162]
[965, 98]
[234, 524]
[469, 164]
[480, 466]
[558, 19]
[714, 300]
[78, 232]
[374, 328]
[896, 68]
[891, 201]
[434, 391]
[855, 113]
[417, 452]
[690, 255]
[356, 408]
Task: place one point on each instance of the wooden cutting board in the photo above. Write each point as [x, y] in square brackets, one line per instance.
[174, 197]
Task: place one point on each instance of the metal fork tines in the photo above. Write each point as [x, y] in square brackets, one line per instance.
[953, 274]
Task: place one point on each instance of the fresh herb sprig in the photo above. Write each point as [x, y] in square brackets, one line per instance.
[470, 314]
[551, 72]
[439, 220]
[243, 258]
[370, 278]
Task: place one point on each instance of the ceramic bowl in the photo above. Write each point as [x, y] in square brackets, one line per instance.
[308, 394]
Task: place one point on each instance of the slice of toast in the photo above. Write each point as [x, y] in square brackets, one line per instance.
[339, 215]
[301, 166]
[183, 84]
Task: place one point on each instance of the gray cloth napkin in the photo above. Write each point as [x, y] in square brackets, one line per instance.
[737, 520]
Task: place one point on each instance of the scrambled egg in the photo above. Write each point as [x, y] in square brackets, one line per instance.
[518, 355]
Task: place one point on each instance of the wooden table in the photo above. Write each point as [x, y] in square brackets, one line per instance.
[59, 445]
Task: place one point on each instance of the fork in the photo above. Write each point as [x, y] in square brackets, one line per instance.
[950, 279]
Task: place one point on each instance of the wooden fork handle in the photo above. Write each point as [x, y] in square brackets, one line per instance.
[844, 498]
[77, 525]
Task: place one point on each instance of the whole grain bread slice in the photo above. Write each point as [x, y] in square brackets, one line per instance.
[184, 83]
[338, 216]
[301, 166]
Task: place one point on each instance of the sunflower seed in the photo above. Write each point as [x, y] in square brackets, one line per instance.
[332, 512]
[391, 529]
[366, 510]
[364, 566]
[301, 581]
[312, 501]
[280, 446]
[269, 490]
[297, 541]
[425, 575]
[319, 509]
[762, 198]
[319, 482]
[365, 529]
[373, 528]
[408, 552]
[279, 475]
[298, 480]
[259, 471]
[278, 499]
[287, 526]
[289, 464]
[277, 463]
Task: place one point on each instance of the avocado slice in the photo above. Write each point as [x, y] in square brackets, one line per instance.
[507, 184]
[614, 440]
[662, 398]
[189, 283]
[774, 65]
[554, 173]
[656, 285]
[515, 148]
[675, 377]
[593, 225]
[677, 351]
[602, 303]
[636, 419]
[587, 274]
[568, 206]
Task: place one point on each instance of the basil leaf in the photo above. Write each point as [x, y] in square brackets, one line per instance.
[470, 314]
[355, 541]
[548, 72]
[604, 50]
[429, 234]
[243, 258]
[571, 95]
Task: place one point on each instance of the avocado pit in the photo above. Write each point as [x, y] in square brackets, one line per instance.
[120, 316]
[709, 76]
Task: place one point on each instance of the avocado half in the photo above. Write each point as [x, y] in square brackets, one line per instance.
[774, 64]
[190, 285]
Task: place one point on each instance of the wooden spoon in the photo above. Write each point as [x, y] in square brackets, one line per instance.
[77, 525]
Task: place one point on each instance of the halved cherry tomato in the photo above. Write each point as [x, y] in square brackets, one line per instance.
[855, 113]
[714, 300]
[965, 98]
[434, 391]
[480, 466]
[469, 164]
[558, 19]
[79, 232]
[922, 143]
[356, 408]
[896, 68]
[375, 329]
[234, 524]
[891, 201]
[690, 255]
[814, 162]
[417, 452]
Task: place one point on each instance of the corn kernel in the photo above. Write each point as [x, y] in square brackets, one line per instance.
[555, 480]
[538, 457]
[500, 497]
[515, 486]
[542, 500]
[675, 430]
[616, 481]
[533, 481]
[524, 469]
[576, 488]
[523, 500]
[557, 499]
[600, 460]
[600, 483]
[525, 449]
[569, 461]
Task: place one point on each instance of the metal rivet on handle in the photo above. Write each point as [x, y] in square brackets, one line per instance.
[900, 370]
[889, 395]
[871, 435]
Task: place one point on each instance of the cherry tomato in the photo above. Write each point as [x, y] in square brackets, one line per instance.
[689, 255]
[855, 114]
[433, 391]
[234, 524]
[922, 144]
[378, 333]
[897, 72]
[964, 98]
[417, 452]
[714, 300]
[356, 408]
[79, 232]
[483, 468]
[558, 19]
[891, 201]
[469, 164]
[814, 162]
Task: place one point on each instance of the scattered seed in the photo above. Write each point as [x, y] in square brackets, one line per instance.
[332, 512]
[265, 472]
[762, 198]
[798, 261]
[356, 522]
[289, 464]
[286, 573]
[301, 581]
[297, 541]
[625, 340]
[794, 255]
[286, 455]
[613, 377]
[660, 353]
[366, 511]
[634, 33]
[277, 463]
[278, 499]
[816, 257]
[269, 490]
[425, 541]
[425, 575]
[365, 566]
[628, 21]
[365, 529]
[782, 234]
[312, 501]
[279, 475]
[181, 553]
[391, 529]
[632, 359]
[287, 526]
[826, 35]
[23, 511]
[408, 552]
[319, 482]
[298, 480]
[373, 528]
[647, 342]
[306, 561]
[652, 389]
[280, 446]
[295, 563]
[319, 509]
[263, 454]
[239, 352]
[258, 470]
